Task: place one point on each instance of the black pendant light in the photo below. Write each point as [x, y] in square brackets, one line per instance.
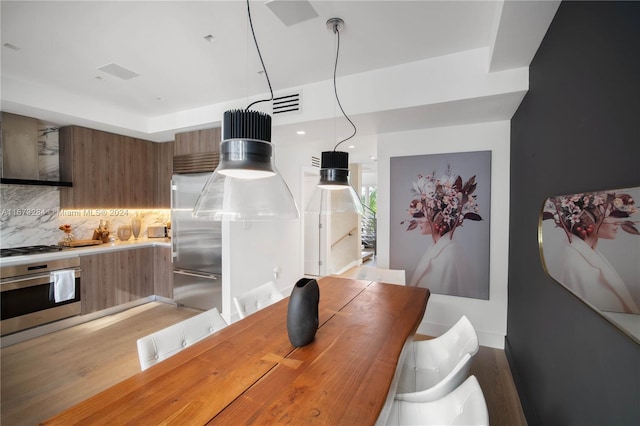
[246, 184]
[334, 193]
[246, 151]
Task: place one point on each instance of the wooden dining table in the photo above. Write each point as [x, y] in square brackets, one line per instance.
[249, 372]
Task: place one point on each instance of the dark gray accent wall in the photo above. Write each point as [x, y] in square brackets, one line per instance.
[577, 129]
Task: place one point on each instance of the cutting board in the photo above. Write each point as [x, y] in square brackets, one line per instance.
[80, 243]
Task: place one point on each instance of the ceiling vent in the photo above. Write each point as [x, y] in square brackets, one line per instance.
[292, 12]
[315, 161]
[118, 71]
[287, 104]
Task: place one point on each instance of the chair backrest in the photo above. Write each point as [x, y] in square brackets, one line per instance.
[435, 367]
[167, 342]
[390, 276]
[465, 405]
[257, 298]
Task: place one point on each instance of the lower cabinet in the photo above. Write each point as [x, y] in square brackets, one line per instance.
[113, 278]
[162, 272]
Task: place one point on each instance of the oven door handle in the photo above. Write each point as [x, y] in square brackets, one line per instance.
[28, 281]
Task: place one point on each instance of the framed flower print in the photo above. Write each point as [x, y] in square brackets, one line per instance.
[440, 221]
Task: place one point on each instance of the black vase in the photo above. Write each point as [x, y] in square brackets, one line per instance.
[302, 312]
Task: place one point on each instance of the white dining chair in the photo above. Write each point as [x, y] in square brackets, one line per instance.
[465, 405]
[257, 298]
[169, 341]
[435, 367]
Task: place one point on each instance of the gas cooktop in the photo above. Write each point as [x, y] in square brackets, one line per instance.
[21, 251]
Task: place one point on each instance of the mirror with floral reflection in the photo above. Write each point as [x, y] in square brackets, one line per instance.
[590, 243]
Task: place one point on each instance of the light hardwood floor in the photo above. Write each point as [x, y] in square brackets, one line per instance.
[43, 376]
[48, 374]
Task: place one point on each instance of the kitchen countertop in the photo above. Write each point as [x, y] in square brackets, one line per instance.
[84, 251]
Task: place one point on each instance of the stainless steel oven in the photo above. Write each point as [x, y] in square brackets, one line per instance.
[26, 295]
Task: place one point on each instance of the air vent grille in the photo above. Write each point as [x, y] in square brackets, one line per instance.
[196, 163]
[315, 161]
[119, 71]
[291, 103]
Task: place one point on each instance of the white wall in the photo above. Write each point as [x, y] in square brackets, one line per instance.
[251, 250]
[343, 243]
[489, 317]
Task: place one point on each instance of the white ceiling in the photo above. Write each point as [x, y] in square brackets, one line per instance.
[61, 45]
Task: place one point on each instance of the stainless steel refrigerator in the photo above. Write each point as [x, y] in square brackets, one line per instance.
[197, 248]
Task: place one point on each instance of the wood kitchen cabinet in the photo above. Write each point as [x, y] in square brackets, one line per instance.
[109, 170]
[162, 272]
[117, 277]
[197, 142]
[20, 150]
[197, 151]
[164, 172]
[113, 278]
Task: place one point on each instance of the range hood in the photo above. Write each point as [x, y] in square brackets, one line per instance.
[20, 156]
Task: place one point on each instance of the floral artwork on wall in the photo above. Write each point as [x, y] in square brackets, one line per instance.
[590, 243]
[440, 221]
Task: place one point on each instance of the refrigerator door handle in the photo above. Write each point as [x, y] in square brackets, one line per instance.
[174, 224]
[195, 274]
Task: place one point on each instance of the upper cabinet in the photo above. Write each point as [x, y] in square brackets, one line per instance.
[197, 142]
[196, 151]
[109, 170]
[19, 147]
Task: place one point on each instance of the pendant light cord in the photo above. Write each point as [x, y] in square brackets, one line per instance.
[335, 89]
[255, 40]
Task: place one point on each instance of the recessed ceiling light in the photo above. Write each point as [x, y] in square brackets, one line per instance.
[352, 146]
[210, 38]
[11, 46]
[301, 132]
[371, 157]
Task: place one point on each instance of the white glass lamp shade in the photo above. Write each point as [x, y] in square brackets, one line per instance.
[334, 193]
[246, 185]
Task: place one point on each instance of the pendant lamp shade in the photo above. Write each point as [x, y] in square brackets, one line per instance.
[246, 184]
[334, 193]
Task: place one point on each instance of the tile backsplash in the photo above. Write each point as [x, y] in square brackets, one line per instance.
[31, 215]
[48, 152]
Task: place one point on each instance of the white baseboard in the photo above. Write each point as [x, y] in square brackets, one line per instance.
[349, 266]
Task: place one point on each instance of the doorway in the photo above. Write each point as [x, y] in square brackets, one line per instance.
[313, 262]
